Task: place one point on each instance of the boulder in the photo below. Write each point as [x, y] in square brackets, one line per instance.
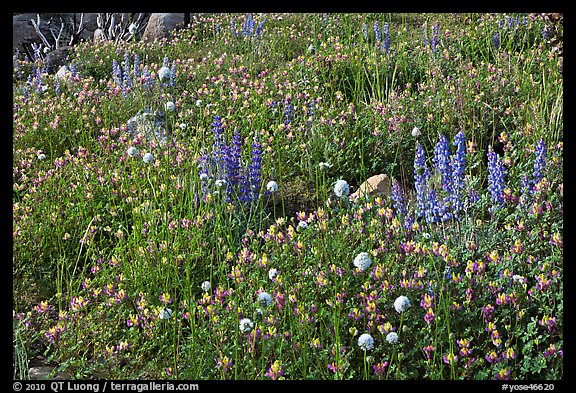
[378, 185]
[58, 58]
[64, 74]
[99, 36]
[23, 31]
[149, 124]
[160, 24]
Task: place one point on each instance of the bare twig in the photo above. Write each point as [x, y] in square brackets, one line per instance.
[36, 25]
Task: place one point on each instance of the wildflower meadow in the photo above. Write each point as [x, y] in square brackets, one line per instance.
[227, 247]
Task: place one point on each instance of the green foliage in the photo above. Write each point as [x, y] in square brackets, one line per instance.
[111, 254]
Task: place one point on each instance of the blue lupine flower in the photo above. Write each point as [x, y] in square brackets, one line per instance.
[441, 161]
[398, 198]
[288, 111]
[224, 163]
[136, 66]
[148, 81]
[421, 176]
[432, 211]
[386, 37]
[259, 28]
[16, 65]
[473, 196]
[73, 70]
[173, 74]
[458, 164]
[496, 40]
[126, 70]
[377, 32]
[496, 175]
[244, 194]
[444, 209]
[539, 160]
[435, 37]
[117, 73]
[424, 35]
[365, 31]
[248, 27]
[525, 189]
[233, 28]
[38, 79]
[310, 111]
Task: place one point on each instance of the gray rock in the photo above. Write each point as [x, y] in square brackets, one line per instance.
[160, 24]
[58, 58]
[99, 36]
[43, 373]
[150, 124]
[23, 31]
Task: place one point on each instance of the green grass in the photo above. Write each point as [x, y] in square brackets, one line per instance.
[110, 252]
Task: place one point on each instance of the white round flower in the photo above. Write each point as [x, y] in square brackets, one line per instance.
[204, 176]
[46, 50]
[392, 337]
[362, 261]
[132, 151]
[164, 74]
[133, 29]
[41, 156]
[341, 188]
[518, 278]
[165, 313]
[183, 126]
[170, 106]
[302, 225]
[402, 303]
[246, 325]
[272, 273]
[366, 342]
[220, 182]
[198, 103]
[148, 158]
[416, 132]
[206, 286]
[324, 166]
[272, 186]
[264, 298]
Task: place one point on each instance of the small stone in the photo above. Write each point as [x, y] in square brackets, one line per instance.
[378, 185]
